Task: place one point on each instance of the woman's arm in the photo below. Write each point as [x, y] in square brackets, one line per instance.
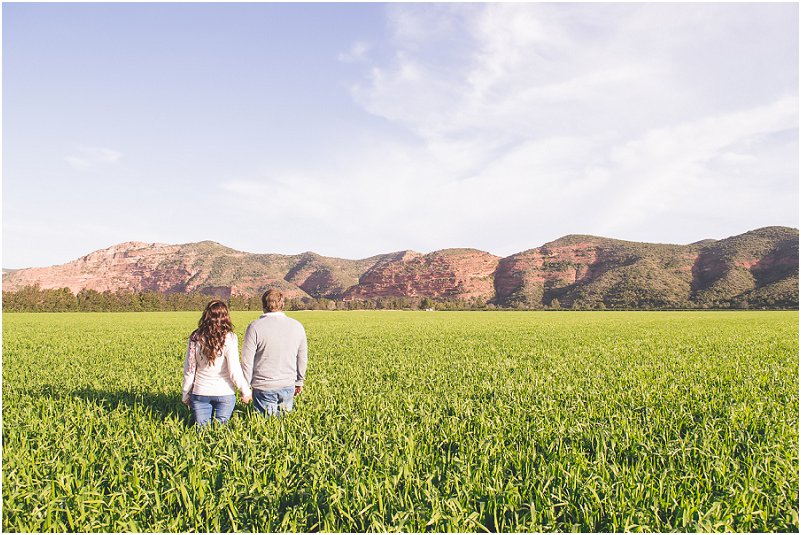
[190, 365]
[234, 367]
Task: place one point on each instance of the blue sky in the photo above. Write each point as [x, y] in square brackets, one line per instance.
[358, 129]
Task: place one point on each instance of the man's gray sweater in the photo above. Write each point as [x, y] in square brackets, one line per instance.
[274, 352]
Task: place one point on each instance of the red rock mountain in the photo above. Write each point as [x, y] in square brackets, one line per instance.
[759, 267]
[205, 266]
[457, 273]
[756, 268]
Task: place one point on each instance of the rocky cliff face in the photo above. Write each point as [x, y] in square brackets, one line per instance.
[206, 267]
[450, 273]
[126, 266]
[525, 278]
[759, 267]
[320, 276]
[753, 267]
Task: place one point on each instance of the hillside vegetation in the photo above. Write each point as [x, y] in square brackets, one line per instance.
[757, 269]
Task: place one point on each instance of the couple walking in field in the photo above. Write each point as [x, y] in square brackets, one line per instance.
[272, 370]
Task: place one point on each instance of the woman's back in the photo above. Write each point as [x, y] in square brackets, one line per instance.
[211, 368]
[212, 375]
[218, 378]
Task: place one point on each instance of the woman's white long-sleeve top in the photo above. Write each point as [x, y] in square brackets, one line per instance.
[218, 379]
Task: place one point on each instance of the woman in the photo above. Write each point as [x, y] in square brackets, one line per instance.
[211, 369]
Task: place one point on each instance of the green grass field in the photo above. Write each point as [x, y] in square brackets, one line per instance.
[413, 421]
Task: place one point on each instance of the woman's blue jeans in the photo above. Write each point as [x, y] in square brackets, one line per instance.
[206, 407]
[274, 402]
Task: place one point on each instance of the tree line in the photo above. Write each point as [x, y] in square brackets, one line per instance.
[36, 299]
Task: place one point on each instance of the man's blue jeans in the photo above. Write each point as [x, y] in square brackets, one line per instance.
[221, 407]
[274, 402]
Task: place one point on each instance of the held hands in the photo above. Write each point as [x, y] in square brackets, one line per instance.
[247, 398]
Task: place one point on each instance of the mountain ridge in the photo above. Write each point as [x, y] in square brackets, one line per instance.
[758, 267]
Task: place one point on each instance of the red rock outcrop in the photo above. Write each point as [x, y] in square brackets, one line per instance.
[135, 266]
[449, 273]
[130, 266]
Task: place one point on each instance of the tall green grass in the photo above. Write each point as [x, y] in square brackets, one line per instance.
[412, 422]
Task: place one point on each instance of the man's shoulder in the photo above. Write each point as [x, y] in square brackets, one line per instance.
[253, 323]
[286, 320]
[296, 323]
[282, 319]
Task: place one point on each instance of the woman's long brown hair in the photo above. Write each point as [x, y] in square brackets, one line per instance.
[214, 325]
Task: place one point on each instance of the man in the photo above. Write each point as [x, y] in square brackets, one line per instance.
[274, 357]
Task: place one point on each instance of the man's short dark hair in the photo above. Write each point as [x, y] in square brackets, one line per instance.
[272, 300]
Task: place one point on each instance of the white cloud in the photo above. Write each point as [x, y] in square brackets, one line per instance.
[357, 53]
[674, 166]
[426, 23]
[522, 76]
[497, 126]
[89, 157]
[585, 110]
[524, 122]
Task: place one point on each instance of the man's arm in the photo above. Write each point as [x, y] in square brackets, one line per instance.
[303, 359]
[248, 353]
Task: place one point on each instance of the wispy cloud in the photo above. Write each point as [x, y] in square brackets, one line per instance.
[605, 113]
[357, 53]
[89, 157]
[693, 167]
[523, 122]
[528, 130]
[491, 125]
